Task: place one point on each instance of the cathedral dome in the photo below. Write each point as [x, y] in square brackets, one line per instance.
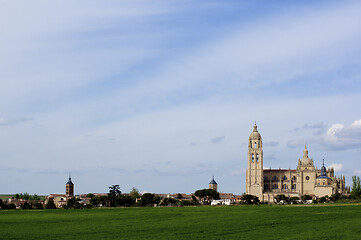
[305, 160]
[255, 134]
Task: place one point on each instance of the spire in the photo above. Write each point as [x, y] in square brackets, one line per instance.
[305, 152]
[69, 181]
[255, 127]
[213, 181]
[323, 169]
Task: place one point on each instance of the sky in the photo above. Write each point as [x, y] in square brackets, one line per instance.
[163, 95]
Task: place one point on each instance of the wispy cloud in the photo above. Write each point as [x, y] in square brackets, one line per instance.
[217, 139]
[317, 127]
[5, 122]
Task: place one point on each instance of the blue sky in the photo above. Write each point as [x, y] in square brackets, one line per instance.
[161, 95]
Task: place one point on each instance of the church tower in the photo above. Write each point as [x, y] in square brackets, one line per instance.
[254, 175]
[213, 184]
[69, 188]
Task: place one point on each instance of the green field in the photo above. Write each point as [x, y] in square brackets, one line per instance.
[223, 222]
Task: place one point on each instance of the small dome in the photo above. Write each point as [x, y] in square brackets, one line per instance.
[305, 160]
[255, 134]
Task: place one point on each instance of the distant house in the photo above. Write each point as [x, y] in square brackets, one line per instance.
[58, 199]
[19, 202]
[225, 199]
[222, 202]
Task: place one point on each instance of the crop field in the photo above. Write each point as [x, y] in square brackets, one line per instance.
[223, 222]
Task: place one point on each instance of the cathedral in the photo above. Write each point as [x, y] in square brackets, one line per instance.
[305, 179]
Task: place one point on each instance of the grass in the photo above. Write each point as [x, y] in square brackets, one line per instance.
[223, 222]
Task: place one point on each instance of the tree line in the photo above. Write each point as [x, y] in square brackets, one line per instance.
[115, 198]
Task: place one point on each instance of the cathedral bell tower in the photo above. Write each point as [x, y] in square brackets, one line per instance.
[254, 175]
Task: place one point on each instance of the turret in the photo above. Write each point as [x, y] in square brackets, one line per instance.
[69, 188]
[213, 184]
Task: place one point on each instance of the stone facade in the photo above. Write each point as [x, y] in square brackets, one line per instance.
[306, 179]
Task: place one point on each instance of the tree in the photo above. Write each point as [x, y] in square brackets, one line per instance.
[73, 203]
[169, 202]
[294, 200]
[50, 205]
[306, 197]
[26, 205]
[10, 206]
[26, 196]
[195, 200]
[322, 199]
[206, 195]
[148, 199]
[282, 197]
[134, 193]
[90, 195]
[94, 200]
[35, 197]
[335, 197]
[124, 201]
[356, 187]
[38, 206]
[103, 200]
[179, 196]
[249, 199]
[114, 192]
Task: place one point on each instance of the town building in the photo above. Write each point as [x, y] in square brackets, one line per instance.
[305, 179]
[62, 199]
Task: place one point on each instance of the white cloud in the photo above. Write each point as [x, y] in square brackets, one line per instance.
[336, 137]
[343, 137]
[334, 129]
[337, 166]
[356, 124]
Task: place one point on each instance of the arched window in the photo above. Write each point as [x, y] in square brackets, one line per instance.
[257, 157]
[252, 157]
[285, 186]
[294, 178]
[255, 144]
[293, 186]
[275, 186]
[266, 187]
[274, 178]
[265, 178]
[284, 178]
